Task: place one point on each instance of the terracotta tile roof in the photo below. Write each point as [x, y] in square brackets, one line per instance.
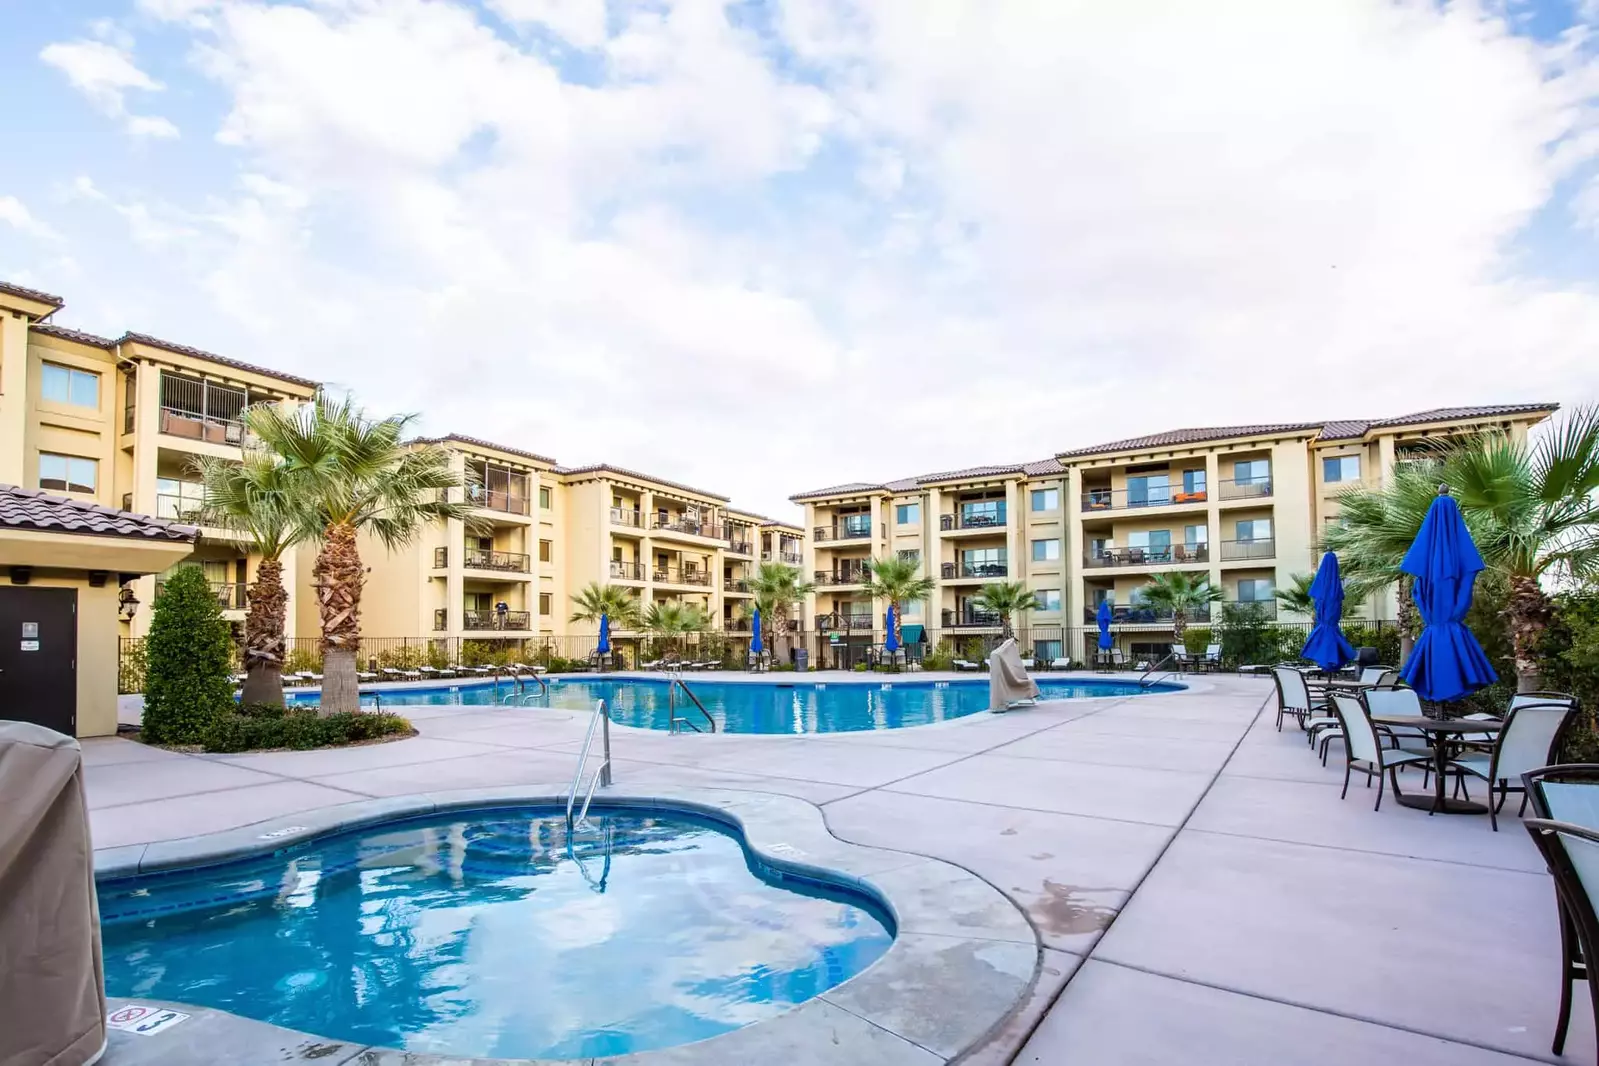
[854, 488]
[849, 488]
[606, 468]
[474, 442]
[1446, 414]
[50, 329]
[1175, 437]
[31, 294]
[22, 508]
[1044, 467]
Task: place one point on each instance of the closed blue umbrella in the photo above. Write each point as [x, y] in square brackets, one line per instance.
[1103, 618]
[1326, 646]
[1447, 662]
[605, 633]
[755, 640]
[891, 642]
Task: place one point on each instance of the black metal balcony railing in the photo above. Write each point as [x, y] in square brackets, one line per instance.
[624, 571]
[1138, 614]
[1233, 551]
[1178, 554]
[496, 620]
[969, 617]
[847, 530]
[738, 547]
[441, 558]
[735, 584]
[499, 500]
[672, 575]
[177, 508]
[844, 620]
[955, 571]
[1246, 488]
[506, 562]
[789, 558]
[1108, 499]
[974, 518]
[231, 595]
[844, 575]
[693, 528]
[621, 516]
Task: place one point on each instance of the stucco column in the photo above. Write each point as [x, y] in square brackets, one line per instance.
[1076, 543]
[13, 399]
[1213, 530]
[1015, 534]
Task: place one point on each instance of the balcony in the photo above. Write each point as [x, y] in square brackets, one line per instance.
[621, 516]
[508, 621]
[672, 575]
[1236, 551]
[231, 595]
[1253, 488]
[1137, 614]
[844, 575]
[986, 517]
[623, 571]
[199, 410]
[975, 571]
[506, 562]
[846, 531]
[1264, 608]
[735, 584]
[739, 547]
[1165, 555]
[692, 527]
[855, 620]
[970, 618]
[1154, 496]
[174, 508]
[499, 500]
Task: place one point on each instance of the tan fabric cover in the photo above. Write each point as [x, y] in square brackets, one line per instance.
[52, 985]
[1008, 681]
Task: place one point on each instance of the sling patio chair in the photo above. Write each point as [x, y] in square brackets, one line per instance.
[1293, 696]
[1565, 793]
[1572, 854]
[1363, 748]
[1527, 742]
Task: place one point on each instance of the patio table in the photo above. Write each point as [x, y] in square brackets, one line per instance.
[1443, 733]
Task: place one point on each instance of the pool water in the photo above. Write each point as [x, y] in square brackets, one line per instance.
[765, 707]
[483, 934]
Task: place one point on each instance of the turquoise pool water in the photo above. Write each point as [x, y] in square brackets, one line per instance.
[482, 934]
[765, 707]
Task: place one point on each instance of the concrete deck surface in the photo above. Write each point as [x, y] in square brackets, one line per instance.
[1199, 892]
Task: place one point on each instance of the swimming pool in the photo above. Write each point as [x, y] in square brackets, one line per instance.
[483, 934]
[767, 707]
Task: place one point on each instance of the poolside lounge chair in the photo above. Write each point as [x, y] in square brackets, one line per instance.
[365, 675]
[1363, 748]
[965, 664]
[432, 671]
[1527, 742]
[395, 674]
[1060, 664]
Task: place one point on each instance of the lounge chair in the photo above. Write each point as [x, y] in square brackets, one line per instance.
[1060, 664]
[1363, 748]
[1028, 664]
[364, 675]
[396, 674]
[434, 672]
[1527, 742]
[965, 664]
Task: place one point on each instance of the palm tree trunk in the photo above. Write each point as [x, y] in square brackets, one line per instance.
[263, 637]
[1005, 630]
[1179, 626]
[1527, 614]
[338, 577]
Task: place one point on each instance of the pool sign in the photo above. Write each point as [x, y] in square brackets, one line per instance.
[146, 1021]
[285, 831]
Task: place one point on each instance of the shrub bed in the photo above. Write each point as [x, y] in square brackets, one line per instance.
[261, 727]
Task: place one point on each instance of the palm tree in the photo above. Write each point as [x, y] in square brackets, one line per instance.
[1005, 598]
[774, 589]
[351, 474]
[594, 599]
[254, 498]
[1296, 598]
[1530, 507]
[671, 619]
[899, 582]
[1179, 592]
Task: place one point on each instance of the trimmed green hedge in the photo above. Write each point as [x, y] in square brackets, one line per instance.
[188, 660]
[298, 728]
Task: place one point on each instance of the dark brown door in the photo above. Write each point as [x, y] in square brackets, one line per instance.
[39, 657]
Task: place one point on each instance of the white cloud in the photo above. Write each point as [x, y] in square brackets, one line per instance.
[104, 73]
[14, 213]
[901, 237]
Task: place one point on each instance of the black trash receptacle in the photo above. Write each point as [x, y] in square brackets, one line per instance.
[802, 659]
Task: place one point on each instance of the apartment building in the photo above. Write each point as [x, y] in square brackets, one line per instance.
[120, 421]
[1239, 504]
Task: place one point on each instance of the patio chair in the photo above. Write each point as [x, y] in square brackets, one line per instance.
[1060, 664]
[1293, 696]
[1566, 793]
[1485, 741]
[1118, 660]
[1391, 701]
[1212, 659]
[1375, 676]
[1572, 854]
[1363, 748]
[1527, 742]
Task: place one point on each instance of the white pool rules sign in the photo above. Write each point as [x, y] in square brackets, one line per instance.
[146, 1021]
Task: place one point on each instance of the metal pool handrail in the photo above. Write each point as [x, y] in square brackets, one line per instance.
[602, 776]
[521, 689]
[1143, 679]
[671, 703]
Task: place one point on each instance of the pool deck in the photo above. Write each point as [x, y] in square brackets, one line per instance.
[1197, 889]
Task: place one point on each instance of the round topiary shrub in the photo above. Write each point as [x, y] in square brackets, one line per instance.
[188, 661]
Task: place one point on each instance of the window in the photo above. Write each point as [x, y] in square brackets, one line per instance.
[176, 499]
[66, 473]
[1340, 468]
[1102, 595]
[1048, 599]
[544, 497]
[1048, 650]
[65, 384]
[983, 562]
[1194, 484]
[544, 603]
[1246, 471]
[858, 524]
[544, 551]
[1097, 547]
[910, 555]
[1156, 539]
[1046, 499]
[982, 512]
[1254, 529]
[1196, 536]
[1255, 590]
[907, 514]
[1045, 551]
[1151, 490]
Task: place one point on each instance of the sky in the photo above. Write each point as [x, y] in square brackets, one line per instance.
[765, 246]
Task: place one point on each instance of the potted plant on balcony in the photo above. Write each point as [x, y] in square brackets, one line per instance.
[1005, 598]
[1179, 593]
